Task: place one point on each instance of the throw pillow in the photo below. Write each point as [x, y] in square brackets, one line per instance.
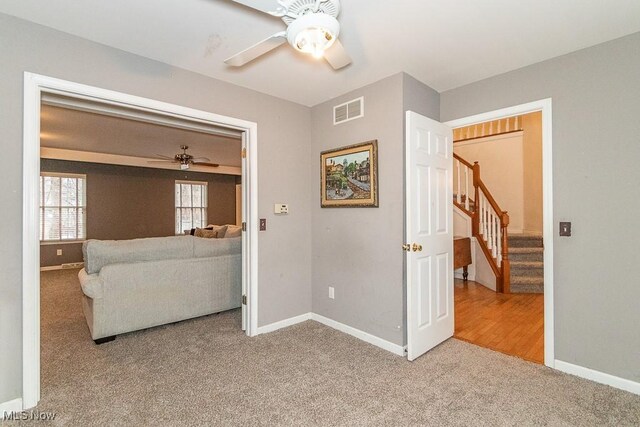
[206, 233]
[221, 229]
[233, 231]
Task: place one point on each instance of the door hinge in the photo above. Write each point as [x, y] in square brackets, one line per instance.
[244, 226]
[244, 300]
[244, 153]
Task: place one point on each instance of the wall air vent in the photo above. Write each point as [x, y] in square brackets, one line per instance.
[348, 111]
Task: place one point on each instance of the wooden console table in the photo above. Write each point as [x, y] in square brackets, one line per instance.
[462, 255]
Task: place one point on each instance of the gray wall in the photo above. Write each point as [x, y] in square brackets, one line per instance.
[596, 148]
[358, 250]
[125, 202]
[284, 139]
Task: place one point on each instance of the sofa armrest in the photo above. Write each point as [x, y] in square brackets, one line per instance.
[91, 284]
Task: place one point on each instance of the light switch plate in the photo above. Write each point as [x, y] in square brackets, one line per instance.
[565, 229]
[263, 224]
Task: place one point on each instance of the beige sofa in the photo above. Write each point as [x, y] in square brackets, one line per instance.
[136, 284]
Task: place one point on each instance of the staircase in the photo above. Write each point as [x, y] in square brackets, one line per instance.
[527, 266]
[489, 222]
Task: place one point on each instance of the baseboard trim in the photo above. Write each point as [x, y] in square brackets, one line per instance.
[364, 336]
[284, 323]
[597, 376]
[14, 405]
[71, 265]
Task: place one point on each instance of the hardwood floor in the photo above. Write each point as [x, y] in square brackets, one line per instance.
[511, 324]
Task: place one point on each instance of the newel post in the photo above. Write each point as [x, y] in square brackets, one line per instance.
[506, 264]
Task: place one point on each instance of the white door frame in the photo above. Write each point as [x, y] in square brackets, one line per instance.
[34, 86]
[543, 105]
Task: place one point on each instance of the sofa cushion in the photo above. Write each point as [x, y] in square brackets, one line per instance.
[98, 253]
[203, 248]
[221, 229]
[233, 231]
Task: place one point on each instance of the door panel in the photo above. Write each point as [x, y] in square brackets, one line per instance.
[429, 212]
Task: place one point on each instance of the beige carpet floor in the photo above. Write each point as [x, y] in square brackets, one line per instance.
[206, 372]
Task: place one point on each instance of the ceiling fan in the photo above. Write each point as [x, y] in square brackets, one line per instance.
[312, 28]
[185, 160]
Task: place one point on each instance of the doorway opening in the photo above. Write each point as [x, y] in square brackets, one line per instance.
[512, 147]
[63, 220]
[429, 207]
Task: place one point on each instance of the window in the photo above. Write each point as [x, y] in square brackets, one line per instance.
[191, 205]
[63, 207]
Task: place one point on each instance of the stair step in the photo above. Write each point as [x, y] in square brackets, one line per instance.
[527, 284]
[526, 254]
[527, 289]
[525, 241]
[527, 269]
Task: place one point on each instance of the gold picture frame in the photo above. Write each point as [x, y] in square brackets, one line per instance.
[349, 176]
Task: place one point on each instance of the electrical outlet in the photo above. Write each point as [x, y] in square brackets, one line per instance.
[59, 252]
[332, 293]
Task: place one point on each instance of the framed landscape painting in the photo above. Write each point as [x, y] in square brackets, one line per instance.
[349, 176]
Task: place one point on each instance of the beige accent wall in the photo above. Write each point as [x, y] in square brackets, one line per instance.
[501, 162]
[532, 172]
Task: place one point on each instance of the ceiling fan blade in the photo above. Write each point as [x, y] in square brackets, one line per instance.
[162, 156]
[257, 50]
[161, 161]
[272, 7]
[211, 165]
[201, 159]
[337, 56]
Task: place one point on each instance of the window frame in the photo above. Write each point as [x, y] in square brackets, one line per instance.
[80, 237]
[204, 206]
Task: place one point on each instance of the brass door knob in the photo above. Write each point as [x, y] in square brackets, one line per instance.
[406, 247]
[416, 247]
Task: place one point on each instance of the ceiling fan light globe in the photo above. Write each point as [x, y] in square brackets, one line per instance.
[313, 33]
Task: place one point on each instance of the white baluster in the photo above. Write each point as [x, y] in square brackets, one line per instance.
[499, 243]
[496, 234]
[508, 124]
[490, 231]
[485, 219]
[517, 120]
[466, 187]
[458, 196]
[481, 207]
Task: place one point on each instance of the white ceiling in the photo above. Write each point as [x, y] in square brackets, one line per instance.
[84, 131]
[443, 43]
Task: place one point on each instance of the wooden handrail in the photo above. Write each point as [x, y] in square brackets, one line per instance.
[500, 265]
[463, 161]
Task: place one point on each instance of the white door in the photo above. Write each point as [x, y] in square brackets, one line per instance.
[243, 221]
[429, 233]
